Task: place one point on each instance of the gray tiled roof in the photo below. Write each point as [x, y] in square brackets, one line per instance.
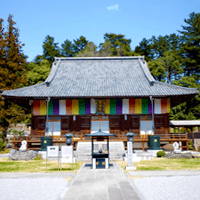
[100, 77]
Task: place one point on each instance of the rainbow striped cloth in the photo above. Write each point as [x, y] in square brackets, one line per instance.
[112, 106]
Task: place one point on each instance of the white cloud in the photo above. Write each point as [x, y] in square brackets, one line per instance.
[114, 7]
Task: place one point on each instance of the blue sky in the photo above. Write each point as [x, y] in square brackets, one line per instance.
[69, 19]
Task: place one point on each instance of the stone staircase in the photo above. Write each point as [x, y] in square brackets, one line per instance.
[83, 152]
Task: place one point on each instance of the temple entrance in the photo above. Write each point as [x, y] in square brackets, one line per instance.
[100, 122]
[146, 128]
[54, 126]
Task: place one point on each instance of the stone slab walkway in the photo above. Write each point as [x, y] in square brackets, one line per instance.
[100, 184]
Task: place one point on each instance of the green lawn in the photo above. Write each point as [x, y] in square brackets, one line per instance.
[165, 164]
[7, 165]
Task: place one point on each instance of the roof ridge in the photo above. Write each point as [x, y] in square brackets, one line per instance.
[181, 87]
[146, 71]
[100, 58]
[52, 73]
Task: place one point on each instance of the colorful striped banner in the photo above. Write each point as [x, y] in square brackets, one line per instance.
[112, 106]
[87, 107]
[125, 106]
[138, 106]
[43, 107]
[36, 107]
[81, 104]
[131, 106]
[75, 107]
[168, 105]
[107, 106]
[119, 106]
[62, 107]
[68, 107]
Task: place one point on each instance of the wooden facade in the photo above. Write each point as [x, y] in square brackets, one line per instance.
[116, 94]
[116, 122]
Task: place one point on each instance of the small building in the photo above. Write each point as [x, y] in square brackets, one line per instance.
[116, 94]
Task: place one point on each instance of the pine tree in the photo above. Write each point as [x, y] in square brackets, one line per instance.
[12, 73]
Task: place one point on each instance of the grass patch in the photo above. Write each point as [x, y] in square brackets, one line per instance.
[36, 166]
[165, 164]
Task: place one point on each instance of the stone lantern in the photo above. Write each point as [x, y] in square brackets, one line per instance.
[68, 138]
[130, 136]
[130, 151]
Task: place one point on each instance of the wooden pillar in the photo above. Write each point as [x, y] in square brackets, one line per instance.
[119, 136]
[13, 145]
[81, 137]
[187, 145]
[143, 146]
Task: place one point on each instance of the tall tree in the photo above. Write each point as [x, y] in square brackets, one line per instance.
[119, 45]
[67, 49]
[38, 72]
[144, 49]
[12, 72]
[190, 57]
[50, 50]
[79, 44]
[190, 49]
[166, 68]
[90, 50]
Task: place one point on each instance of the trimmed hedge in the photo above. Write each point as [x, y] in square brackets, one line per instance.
[160, 153]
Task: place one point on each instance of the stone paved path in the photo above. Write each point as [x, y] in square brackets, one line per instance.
[100, 184]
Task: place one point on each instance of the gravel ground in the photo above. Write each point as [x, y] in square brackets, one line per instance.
[168, 188]
[32, 188]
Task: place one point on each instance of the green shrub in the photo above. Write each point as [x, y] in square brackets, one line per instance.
[190, 145]
[2, 144]
[5, 151]
[37, 158]
[160, 153]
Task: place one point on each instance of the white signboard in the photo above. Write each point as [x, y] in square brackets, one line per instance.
[52, 151]
[66, 151]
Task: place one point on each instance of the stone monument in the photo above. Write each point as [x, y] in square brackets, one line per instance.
[176, 147]
[22, 155]
[23, 145]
